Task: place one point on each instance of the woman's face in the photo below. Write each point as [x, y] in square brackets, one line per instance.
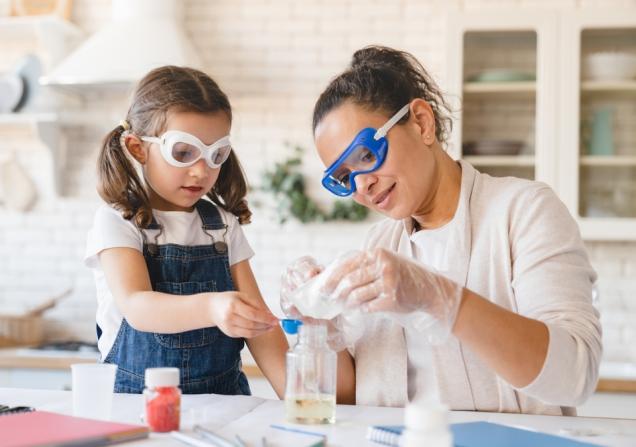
[176, 188]
[406, 182]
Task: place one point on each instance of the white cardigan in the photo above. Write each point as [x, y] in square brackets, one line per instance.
[515, 244]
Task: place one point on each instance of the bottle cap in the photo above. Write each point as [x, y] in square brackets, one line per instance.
[290, 325]
[426, 416]
[162, 377]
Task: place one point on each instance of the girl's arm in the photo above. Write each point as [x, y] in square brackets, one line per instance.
[149, 311]
[268, 349]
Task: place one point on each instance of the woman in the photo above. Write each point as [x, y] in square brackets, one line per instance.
[497, 262]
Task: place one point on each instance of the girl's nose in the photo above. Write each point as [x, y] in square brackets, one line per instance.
[199, 169]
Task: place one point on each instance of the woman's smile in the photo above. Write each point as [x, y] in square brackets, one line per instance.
[383, 199]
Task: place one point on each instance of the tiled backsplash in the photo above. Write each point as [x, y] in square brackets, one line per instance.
[272, 58]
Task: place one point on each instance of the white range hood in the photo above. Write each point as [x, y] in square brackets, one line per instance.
[142, 35]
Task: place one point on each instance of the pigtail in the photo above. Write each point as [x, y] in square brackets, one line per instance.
[230, 190]
[118, 183]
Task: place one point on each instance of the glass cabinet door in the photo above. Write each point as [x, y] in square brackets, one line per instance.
[499, 101]
[598, 122]
[607, 141]
[501, 70]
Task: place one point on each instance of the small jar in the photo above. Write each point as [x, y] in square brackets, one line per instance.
[162, 399]
[310, 389]
[426, 423]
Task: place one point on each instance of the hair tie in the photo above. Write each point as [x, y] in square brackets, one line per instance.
[124, 124]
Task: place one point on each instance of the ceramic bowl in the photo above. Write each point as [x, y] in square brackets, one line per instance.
[610, 66]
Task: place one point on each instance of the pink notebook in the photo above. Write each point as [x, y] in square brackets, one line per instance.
[41, 428]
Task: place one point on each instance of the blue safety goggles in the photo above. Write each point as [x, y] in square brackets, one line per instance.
[365, 154]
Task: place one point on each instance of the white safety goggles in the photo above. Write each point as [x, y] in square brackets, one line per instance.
[181, 149]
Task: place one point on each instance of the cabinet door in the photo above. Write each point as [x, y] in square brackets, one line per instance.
[598, 118]
[502, 75]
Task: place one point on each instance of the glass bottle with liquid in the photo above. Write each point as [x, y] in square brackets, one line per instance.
[310, 391]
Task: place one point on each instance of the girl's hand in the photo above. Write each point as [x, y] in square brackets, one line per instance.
[236, 317]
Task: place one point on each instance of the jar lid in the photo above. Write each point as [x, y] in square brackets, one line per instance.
[162, 377]
[290, 325]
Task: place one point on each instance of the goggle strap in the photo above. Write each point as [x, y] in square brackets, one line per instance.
[382, 131]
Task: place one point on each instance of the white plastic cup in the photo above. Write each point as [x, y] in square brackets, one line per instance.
[93, 385]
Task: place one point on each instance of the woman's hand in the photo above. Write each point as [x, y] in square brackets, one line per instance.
[383, 281]
[233, 314]
[296, 274]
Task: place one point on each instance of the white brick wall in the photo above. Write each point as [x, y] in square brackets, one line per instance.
[272, 57]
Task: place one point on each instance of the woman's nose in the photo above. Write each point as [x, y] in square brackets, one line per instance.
[364, 183]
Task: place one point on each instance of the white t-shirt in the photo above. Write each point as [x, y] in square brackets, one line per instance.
[111, 230]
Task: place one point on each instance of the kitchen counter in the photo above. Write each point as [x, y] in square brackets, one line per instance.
[20, 358]
[251, 416]
[613, 378]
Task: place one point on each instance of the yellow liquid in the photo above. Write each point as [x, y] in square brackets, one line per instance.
[311, 409]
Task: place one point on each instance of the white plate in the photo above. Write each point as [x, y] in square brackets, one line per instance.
[29, 68]
[11, 91]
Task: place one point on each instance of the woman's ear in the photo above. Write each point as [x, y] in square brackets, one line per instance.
[136, 148]
[424, 117]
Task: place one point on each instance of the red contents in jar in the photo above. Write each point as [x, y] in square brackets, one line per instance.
[162, 412]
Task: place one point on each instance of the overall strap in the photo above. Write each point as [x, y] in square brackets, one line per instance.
[210, 215]
[154, 225]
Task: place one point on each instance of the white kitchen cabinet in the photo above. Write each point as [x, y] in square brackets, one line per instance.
[598, 183]
[45, 379]
[501, 74]
[552, 113]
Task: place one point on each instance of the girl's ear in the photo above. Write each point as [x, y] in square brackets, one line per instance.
[424, 117]
[136, 148]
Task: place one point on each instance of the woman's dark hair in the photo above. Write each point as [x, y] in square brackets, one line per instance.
[162, 91]
[381, 78]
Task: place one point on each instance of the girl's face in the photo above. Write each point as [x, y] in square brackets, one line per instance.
[405, 184]
[175, 188]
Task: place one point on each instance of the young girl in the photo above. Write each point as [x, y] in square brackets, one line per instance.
[174, 284]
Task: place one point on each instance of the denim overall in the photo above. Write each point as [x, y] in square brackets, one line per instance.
[209, 360]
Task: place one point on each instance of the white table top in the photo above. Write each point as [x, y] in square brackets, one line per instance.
[250, 416]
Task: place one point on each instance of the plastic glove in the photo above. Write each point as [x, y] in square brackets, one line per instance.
[410, 293]
[296, 274]
[300, 285]
[314, 297]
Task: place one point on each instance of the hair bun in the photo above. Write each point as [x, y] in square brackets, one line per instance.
[377, 56]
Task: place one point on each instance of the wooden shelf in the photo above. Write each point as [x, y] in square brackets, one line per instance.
[608, 86]
[30, 24]
[521, 87]
[608, 160]
[27, 118]
[501, 160]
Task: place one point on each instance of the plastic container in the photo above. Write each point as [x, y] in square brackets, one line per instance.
[426, 424]
[310, 390]
[93, 385]
[162, 399]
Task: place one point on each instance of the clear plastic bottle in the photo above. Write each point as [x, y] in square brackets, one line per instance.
[162, 399]
[426, 424]
[310, 391]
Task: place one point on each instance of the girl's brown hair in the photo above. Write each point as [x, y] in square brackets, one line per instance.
[381, 78]
[164, 90]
